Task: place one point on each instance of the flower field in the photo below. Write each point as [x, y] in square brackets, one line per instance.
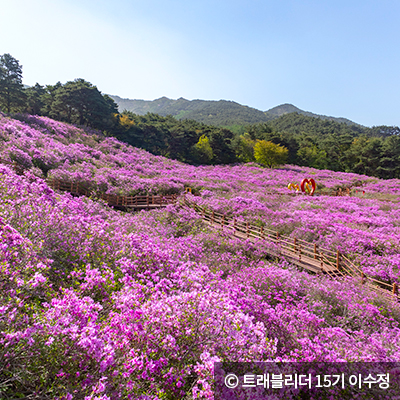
[102, 304]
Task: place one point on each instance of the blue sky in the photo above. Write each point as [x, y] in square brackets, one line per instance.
[338, 58]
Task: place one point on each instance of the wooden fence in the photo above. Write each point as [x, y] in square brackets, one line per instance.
[18, 168]
[307, 255]
[148, 201]
[137, 202]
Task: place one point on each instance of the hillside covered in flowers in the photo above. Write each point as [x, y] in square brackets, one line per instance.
[98, 303]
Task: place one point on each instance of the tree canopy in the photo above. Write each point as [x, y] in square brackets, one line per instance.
[270, 154]
[204, 150]
[12, 95]
[81, 103]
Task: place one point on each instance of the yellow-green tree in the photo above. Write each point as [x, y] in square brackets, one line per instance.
[270, 154]
[203, 149]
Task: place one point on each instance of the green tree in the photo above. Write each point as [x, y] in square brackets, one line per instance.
[367, 154]
[262, 131]
[390, 158]
[335, 147]
[112, 105]
[244, 147]
[383, 131]
[312, 156]
[12, 96]
[48, 100]
[270, 154]
[35, 99]
[220, 141]
[183, 137]
[81, 103]
[203, 150]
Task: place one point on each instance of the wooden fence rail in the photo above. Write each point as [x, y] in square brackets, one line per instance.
[147, 201]
[137, 202]
[309, 256]
[18, 168]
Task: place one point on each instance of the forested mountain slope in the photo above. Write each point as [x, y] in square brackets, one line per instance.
[284, 109]
[220, 113]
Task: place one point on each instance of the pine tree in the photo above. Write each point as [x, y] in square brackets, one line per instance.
[12, 95]
[81, 103]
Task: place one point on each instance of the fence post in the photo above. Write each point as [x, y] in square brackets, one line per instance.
[337, 259]
[262, 232]
[247, 229]
[315, 251]
[147, 198]
[395, 288]
[278, 239]
[300, 252]
[362, 278]
[223, 221]
[295, 244]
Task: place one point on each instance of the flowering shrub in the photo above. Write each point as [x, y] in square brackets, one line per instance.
[100, 304]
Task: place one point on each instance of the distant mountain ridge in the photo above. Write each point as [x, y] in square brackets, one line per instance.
[219, 113]
[283, 109]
